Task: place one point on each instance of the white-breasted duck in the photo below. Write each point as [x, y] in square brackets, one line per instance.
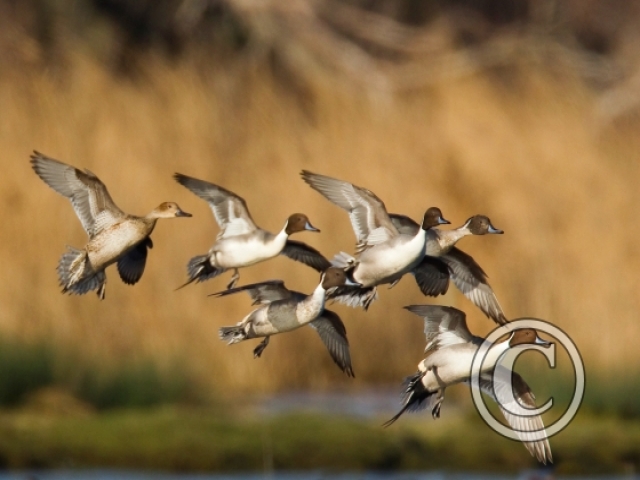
[383, 254]
[240, 242]
[451, 350]
[284, 310]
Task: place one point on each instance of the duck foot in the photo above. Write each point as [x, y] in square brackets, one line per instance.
[435, 412]
[260, 348]
[234, 279]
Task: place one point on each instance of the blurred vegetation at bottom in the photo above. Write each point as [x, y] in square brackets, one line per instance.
[74, 414]
[26, 368]
[205, 439]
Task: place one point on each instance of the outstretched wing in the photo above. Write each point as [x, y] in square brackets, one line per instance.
[367, 212]
[229, 210]
[443, 326]
[471, 280]
[88, 195]
[334, 336]
[301, 252]
[514, 405]
[263, 292]
[131, 266]
[432, 276]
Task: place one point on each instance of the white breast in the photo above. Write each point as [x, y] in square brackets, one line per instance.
[381, 263]
[243, 251]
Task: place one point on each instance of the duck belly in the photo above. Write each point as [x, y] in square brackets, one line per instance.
[384, 264]
[445, 368]
[238, 252]
[261, 325]
[112, 243]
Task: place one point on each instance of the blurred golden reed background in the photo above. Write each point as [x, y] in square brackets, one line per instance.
[519, 123]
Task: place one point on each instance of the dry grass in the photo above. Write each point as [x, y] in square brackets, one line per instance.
[522, 146]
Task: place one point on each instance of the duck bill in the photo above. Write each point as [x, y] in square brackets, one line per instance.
[350, 280]
[443, 221]
[311, 228]
[352, 283]
[493, 229]
[182, 213]
[542, 343]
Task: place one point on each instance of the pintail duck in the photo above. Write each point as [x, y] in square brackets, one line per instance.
[240, 242]
[451, 349]
[383, 254]
[465, 272]
[285, 310]
[114, 236]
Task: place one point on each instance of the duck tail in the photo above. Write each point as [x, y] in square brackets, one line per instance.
[200, 269]
[233, 334]
[396, 416]
[76, 275]
[415, 397]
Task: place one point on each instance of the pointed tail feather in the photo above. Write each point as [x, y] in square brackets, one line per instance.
[415, 397]
[396, 416]
[200, 269]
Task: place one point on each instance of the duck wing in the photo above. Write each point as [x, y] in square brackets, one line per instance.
[334, 336]
[515, 405]
[131, 265]
[443, 326]
[404, 224]
[353, 296]
[301, 252]
[88, 195]
[368, 214]
[261, 293]
[229, 210]
[432, 276]
[471, 280]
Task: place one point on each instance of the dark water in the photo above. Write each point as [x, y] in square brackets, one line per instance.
[133, 475]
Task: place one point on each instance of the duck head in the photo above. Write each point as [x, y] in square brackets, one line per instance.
[432, 218]
[299, 222]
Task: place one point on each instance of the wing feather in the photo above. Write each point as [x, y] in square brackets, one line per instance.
[514, 406]
[443, 326]
[432, 276]
[88, 195]
[263, 292]
[368, 214]
[301, 252]
[131, 265]
[229, 209]
[471, 280]
[404, 224]
[334, 336]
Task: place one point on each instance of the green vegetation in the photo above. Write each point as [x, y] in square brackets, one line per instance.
[23, 369]
[173, 438]
[64, 413]
[138, 385]
[27, 368]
